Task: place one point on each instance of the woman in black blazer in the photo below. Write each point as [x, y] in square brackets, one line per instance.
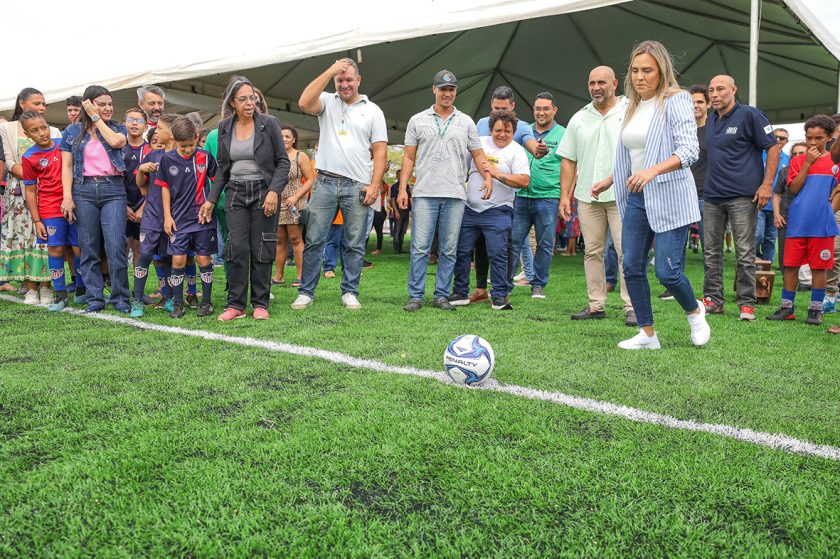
[253, 168]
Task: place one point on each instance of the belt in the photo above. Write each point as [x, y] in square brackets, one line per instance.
[333, 175]
[247, 182]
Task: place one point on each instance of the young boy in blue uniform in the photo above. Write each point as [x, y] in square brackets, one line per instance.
[811, 226]
[183, 176]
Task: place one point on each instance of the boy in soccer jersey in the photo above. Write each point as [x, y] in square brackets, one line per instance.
[811, 226]
[183, 175]
[44, 193]
[133, 152]
[153, 243]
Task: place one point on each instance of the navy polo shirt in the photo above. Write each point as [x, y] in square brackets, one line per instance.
[734, 146]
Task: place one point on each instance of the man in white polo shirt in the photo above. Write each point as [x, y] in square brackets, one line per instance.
[588, 151]
[352, 127]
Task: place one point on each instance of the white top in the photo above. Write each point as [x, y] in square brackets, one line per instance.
[347, 132]
[635, 133]
[510, 160]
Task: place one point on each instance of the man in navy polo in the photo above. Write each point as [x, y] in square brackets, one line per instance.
[737, 185]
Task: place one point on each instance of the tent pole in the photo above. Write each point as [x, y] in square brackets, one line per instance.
[755, 17]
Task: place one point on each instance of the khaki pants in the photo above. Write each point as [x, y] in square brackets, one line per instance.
[833, 276]
[596, 219]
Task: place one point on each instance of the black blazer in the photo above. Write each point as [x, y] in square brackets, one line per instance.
[269, 153]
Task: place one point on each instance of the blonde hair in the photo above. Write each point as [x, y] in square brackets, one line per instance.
[667, 79]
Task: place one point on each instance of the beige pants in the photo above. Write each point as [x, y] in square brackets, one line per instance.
[833, 275]
[596, 220]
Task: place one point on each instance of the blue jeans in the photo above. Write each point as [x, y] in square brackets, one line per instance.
[494, 225]
[334, 248]
[541, 213]
[100, 212]
[611, 261]
[427, 215]
[527, 256]
[765, 236]
[636, 240]
[329, 194]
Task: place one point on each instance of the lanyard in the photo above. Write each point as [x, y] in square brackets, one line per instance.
[442, 133]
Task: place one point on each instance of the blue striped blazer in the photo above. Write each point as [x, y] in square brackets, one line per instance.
[670, 198]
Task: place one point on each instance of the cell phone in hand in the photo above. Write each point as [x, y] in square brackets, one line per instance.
[362, 196]
[295, 212]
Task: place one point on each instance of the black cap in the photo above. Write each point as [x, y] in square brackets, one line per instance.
[445, 78]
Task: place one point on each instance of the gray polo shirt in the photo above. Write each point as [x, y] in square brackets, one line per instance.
[347, 132]
[443, 153]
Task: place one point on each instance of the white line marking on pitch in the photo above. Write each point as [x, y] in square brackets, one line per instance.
[776, 441]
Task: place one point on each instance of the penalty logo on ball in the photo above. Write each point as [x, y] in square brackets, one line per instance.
[469, 360]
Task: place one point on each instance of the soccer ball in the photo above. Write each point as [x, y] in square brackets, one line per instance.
[469, 360]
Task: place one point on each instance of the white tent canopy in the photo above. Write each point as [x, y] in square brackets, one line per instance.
[531, 45]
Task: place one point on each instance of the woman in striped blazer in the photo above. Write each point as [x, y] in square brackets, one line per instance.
[655, 189]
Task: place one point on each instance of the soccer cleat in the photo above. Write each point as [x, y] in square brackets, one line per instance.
[59, 305]
[747, 313]
[231, 314]
[458, 300]
[302, 302]
[412, 306]
[712, 307]
[537, 292]
[814, 317]
[206, 309]
[169, 305]
[700, 331]
[137, 309]
[829, 306]
[640, 341]
[350, 301]
[177, 311]
[784, 313]
[442, 304]
[192, 301]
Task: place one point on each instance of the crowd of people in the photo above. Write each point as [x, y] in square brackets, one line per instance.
[630, 173]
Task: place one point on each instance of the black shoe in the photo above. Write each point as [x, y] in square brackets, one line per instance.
[785, 313]
[443, 304]
[589, 314]
[367, 264]
[458, 300]
[178, 311]
[501, 305]
[192, 301]
[814, 317]
[206, 309]
[666, 296]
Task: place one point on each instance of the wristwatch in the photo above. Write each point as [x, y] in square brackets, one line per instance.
[95, 118]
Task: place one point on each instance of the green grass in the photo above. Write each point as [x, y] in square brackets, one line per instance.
[116, 442]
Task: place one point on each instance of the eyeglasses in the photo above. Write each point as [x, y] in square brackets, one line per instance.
[242, 99]
[135, 120]
[781, 138]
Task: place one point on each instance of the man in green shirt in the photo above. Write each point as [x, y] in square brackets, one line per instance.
[536, 206]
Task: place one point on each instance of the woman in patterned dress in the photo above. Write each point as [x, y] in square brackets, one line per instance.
[294, 195]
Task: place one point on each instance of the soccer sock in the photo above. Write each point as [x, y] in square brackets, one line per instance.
[176, 280]
[817, 296]
[787, 298]
[206, 282]
[56, 264]
[141, 273]
[190, 271]
[80, 282]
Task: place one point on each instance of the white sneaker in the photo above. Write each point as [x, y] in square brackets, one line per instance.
[31, 297]
[47, 297]
[302, 302]
[700, 330]
[519, 277]
[350, 301]
[640, 341]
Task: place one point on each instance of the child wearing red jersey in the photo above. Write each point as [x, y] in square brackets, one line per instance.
[44, 193]
[811, 226]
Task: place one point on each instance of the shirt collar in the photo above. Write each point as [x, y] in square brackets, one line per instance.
[620, 107]
[362, 98]
[431, 111]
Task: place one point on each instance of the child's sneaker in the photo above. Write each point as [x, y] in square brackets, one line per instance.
[192, 301]
[814, 317]
[46, 296]
[206, 309]
[31, 297]
[177, 311]
[829, 305]
[137, 310]
[59, 305]
[784, 313]
[169, 305]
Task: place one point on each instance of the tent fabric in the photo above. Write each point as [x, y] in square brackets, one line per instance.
[530, 45]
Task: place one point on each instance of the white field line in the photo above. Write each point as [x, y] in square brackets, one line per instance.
[775, 441]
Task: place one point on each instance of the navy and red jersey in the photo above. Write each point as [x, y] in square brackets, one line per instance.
[810, 213]
[133, 156]
[153, 211]
[188, 184]
[43, 167]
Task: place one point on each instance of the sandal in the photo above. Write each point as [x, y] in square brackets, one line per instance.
[278, 282]
[296, 283]
[834, 330]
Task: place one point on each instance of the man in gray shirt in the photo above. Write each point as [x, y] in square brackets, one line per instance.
[438, 143]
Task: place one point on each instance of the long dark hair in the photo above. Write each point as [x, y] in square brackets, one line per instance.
[91, 93]
[294, 132]
[24, 95]
[233, 86]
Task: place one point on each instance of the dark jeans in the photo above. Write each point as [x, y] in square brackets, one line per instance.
[636, 240]
[400, 229]
[541, 213]
[334, 248]
[493, 226]
[765, 236]
[252, 244]
[741, 214]
[611, 262]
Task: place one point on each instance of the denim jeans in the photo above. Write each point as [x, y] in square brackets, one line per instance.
[100, 212]
[427, 215]
[700, 226]
[334, 249]
[329, 194]
[741, 214]
[611, 262]
[541, 213]
[527, 256]
[636, 240]
[765, 236]
[494, 227]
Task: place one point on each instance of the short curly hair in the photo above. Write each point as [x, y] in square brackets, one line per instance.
[821, 121]
[506, 116]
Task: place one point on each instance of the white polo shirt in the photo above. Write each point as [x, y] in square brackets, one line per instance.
[347, 132]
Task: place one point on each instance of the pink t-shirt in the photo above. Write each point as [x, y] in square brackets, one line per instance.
[97, 163]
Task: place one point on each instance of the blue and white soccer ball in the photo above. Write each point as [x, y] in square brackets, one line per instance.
[469, 360]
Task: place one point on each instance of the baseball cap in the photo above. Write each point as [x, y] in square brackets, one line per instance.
[445, 78]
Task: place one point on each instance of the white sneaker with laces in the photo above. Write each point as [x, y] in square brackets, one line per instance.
[47, 297]
[700, 330]
[350, 301]
[302, 302]
[519, 277]
[640, 341]
[31, 297]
